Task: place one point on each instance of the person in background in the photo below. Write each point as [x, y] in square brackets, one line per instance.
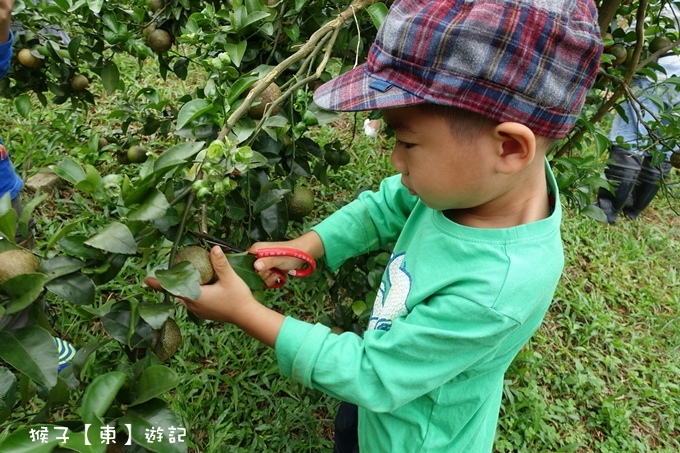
[634, 179]
[10, 182]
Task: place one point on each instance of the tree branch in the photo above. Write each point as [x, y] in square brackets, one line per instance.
[306, 49]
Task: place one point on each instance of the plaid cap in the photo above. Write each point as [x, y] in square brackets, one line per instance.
[525, 61]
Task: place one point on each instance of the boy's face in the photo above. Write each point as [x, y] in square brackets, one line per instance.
[445, 171]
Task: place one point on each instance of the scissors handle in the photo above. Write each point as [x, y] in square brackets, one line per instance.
[293, 253]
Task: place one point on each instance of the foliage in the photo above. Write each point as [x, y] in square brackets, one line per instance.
[212, 165]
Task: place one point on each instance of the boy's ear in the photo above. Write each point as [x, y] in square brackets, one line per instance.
[516, 147]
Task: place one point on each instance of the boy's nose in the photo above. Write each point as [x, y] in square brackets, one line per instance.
[398, 161]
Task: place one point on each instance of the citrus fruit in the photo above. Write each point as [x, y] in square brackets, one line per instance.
[17, 262]
[200, 259]
[159, 40]
[102, 142]
[659, 43]
[154, 5]
[269, 95]
[301, 203]
[619, 52]
[166, 340]
[137, 154]
[79, 82]
[331, 157]
[29, 60]
[148, 29]
[675, 160]
[344, 158]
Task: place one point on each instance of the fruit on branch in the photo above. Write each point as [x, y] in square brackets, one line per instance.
[154, 5]
[166, 340]
[102, 143]
[79, 82]
[200, 259]
[29, 60]
[269, 95]
[619, 52]
[675, 159]
[300, 203]
[17, 262]
[159, 40]
[659, 43]
[137, 154]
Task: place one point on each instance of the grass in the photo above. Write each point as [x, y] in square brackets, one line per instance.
[599, 376]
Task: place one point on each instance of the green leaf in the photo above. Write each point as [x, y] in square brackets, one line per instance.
[192, 110]
[95, 5]
[23, 290]
[595, 212]
[115, 238]
[75, 245]
[181, 280]
[154, 381]
[73, 47]
[138, 193]
[32, 351]
[243, 265]
[177, 155]
[240, 86]
[100, 394]
[8, 217]
[8, 393]
[26, 213]
[154, 207]
[75, 288]
[268, 199]
[153, 415]
[70, 170]
[123, 325]
[237, 51]
[378, 12]
[84, 353]
[155, 314]
[60, 265]
[23, 105]
[110, 77]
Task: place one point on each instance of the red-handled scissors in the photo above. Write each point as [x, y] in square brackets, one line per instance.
[267, 252]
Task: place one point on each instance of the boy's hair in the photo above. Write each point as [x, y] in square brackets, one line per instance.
[468, 125]
[527, 61]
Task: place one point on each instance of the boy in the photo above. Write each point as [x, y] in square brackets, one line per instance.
[476, 92]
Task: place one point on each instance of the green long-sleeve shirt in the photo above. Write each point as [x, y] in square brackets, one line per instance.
[455, 306]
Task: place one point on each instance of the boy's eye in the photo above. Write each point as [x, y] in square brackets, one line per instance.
[404, 144]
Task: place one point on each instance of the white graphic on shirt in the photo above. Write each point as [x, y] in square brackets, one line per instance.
[390, 302]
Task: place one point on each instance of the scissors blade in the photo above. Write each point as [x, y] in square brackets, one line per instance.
[212, 240]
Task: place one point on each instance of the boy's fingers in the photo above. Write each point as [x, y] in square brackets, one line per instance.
[220, 263]
[153, 283]
[266, 263]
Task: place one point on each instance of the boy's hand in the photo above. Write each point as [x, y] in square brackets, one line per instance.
[230, 300]
[5, 15]
[227, 300]
[309, 243]
[263, 266]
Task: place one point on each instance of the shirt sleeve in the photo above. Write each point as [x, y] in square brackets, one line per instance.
[433, 344]
[6, 55]
[372, 221]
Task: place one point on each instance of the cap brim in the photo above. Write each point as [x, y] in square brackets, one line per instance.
[358, 90]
